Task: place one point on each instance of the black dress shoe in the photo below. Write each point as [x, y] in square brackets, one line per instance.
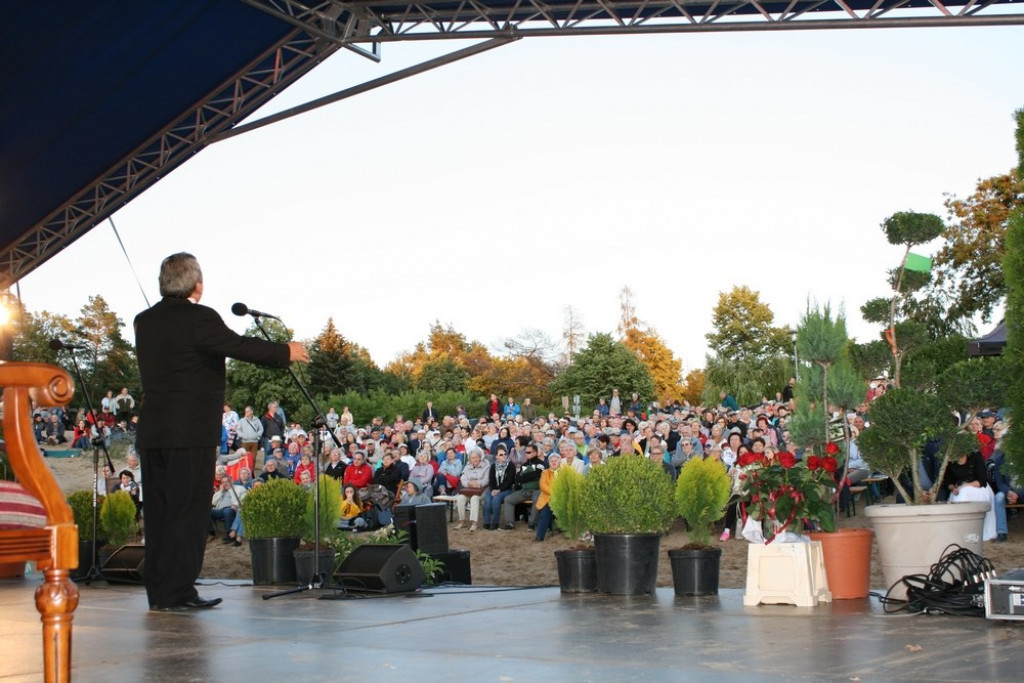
[197, 603]
[203, 603]
[509, 527]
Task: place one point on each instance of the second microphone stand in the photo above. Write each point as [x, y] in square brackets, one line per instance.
[98, 443]
[319, 578]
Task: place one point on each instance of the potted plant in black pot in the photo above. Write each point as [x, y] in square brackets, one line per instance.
[702, 494]
[577, 566]
[628, 504]
[273, 518]
[80, 503]
[313, 548]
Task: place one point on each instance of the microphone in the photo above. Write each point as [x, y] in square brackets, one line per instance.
[58, 345]
[242, 309]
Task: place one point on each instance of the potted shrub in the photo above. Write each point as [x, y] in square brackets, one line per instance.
[911, 536]
[315, 554]
[80, 503]
[577, 567]
[702, 493]
[628, 504]
[117, 518]
[273, 518]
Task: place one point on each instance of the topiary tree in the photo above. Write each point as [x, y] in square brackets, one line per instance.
[909, 229]
[702, 493]
[567, 501]
[276, 509]
[117, 518]
[628, 495]
[904, 420]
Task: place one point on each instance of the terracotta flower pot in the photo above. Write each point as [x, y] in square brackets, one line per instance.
[847, 561]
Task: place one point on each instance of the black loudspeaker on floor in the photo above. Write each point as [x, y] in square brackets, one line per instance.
[127, 564]
[382, 569]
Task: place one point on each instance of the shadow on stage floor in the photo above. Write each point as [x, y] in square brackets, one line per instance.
[501, 634]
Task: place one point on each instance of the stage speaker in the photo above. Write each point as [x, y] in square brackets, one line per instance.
[431, 528]
[382, 569]
[404, 519]
[456, 567]
[425, 524]
[127, 564]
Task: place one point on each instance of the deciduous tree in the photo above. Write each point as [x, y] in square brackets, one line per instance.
[968, 268]
[743, 327]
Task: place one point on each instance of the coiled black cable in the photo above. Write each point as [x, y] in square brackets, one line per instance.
[954, 585]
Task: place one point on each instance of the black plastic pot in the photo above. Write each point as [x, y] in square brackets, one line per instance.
[304, 564]
[695, 572]
[627, 564]
[577, 570]
[85, 560]
[273, 561]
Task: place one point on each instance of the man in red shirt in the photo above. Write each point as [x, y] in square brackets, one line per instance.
[359, 474]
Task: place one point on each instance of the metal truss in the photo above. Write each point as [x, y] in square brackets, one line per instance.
[259, 81]
[379, 21]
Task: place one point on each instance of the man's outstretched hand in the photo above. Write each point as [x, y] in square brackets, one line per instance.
[297, 352]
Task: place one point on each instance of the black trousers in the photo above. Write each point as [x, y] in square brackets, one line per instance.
[179, 488]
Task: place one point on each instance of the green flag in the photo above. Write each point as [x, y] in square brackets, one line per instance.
[921, 264]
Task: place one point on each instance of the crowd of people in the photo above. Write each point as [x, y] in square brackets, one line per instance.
[497, 468]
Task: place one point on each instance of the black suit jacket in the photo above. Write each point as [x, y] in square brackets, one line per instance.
[181, 348]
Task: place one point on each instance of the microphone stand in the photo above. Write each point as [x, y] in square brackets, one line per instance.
[98, 443]
[319, 578]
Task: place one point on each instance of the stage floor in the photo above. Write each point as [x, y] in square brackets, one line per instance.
[502, 634]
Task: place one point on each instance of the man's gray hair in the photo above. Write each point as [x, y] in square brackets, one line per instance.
[179, 275]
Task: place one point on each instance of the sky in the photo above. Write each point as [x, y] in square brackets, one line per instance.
[493, 193]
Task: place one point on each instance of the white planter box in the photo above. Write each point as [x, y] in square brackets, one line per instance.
[786, 574]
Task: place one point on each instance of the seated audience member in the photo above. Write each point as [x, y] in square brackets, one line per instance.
[352, 510]
[657, 456]
[544, 514]
[224, 507]
[414, 495]
[305, 467]
[245, 479]
[289, 460]
[567, 451]
[595, 458]
[966, 480]
[270, 471]
[501, 478]
[129, 486]
[525, 488]
[422, 473]
[82, 437]
[474, 481]
[388, 476]
[358, 474]
[858, 469]
[1005, 492]
[335, 467]
[446, 481]
[39, 428]
[131, 463]
[55, 431]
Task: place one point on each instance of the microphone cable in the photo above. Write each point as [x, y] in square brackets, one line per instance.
[954, 585]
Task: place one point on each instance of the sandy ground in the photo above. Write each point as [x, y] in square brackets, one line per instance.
[513, 558]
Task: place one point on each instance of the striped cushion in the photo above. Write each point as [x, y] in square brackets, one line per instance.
[18, 509]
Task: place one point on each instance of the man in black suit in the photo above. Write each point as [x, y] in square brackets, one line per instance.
[181, 348]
